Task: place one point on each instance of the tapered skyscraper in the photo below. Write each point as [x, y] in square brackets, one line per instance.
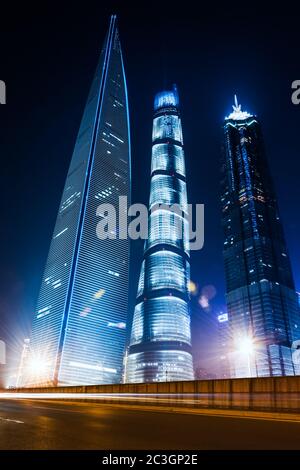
[78, 332]
[261, 299]
[160, 344]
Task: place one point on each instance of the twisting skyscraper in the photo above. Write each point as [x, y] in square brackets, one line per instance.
[261, 299]
[160, 344]
[78, 333]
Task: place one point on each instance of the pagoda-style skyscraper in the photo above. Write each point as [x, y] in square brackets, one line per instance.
[78, 333]
[160, 344]
[262, 303]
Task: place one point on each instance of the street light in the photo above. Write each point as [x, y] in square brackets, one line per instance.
[245, 345]
[37, 366]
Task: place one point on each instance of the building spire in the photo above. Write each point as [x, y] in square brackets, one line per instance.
[236, 106]
[237, 113]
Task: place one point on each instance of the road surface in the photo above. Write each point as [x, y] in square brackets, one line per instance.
[38, 424]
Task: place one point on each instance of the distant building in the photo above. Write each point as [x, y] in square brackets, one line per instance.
[224, 345]
[79, 327]
[2, 363]
[160, 343]
[2, 376]
[262, 304]
[21, 375]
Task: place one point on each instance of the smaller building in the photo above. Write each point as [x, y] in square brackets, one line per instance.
[21, 375]
[2, 363]
[223, 346]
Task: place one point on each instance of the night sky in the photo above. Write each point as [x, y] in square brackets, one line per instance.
[48, 60]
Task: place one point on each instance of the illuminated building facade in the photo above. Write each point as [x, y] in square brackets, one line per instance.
[78, 333]
[261, 298]
[160, 343]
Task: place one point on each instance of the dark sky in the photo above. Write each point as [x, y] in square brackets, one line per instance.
[48, 60]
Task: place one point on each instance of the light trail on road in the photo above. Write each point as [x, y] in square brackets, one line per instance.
[289, 402]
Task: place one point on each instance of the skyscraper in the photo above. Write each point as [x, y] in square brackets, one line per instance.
[261, 298]
[78, 332]
[160, 343]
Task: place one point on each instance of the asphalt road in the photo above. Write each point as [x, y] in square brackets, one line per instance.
[26, 424]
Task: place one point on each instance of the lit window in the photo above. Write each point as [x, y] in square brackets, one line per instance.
[114, 273]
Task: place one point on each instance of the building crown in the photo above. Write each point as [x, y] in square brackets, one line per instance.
[237, 113]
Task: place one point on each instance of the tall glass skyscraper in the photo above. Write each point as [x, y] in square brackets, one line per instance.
[261, 298]
[78, 333]
[160, 344]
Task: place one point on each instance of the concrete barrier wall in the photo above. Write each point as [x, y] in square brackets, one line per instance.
[253, 385]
